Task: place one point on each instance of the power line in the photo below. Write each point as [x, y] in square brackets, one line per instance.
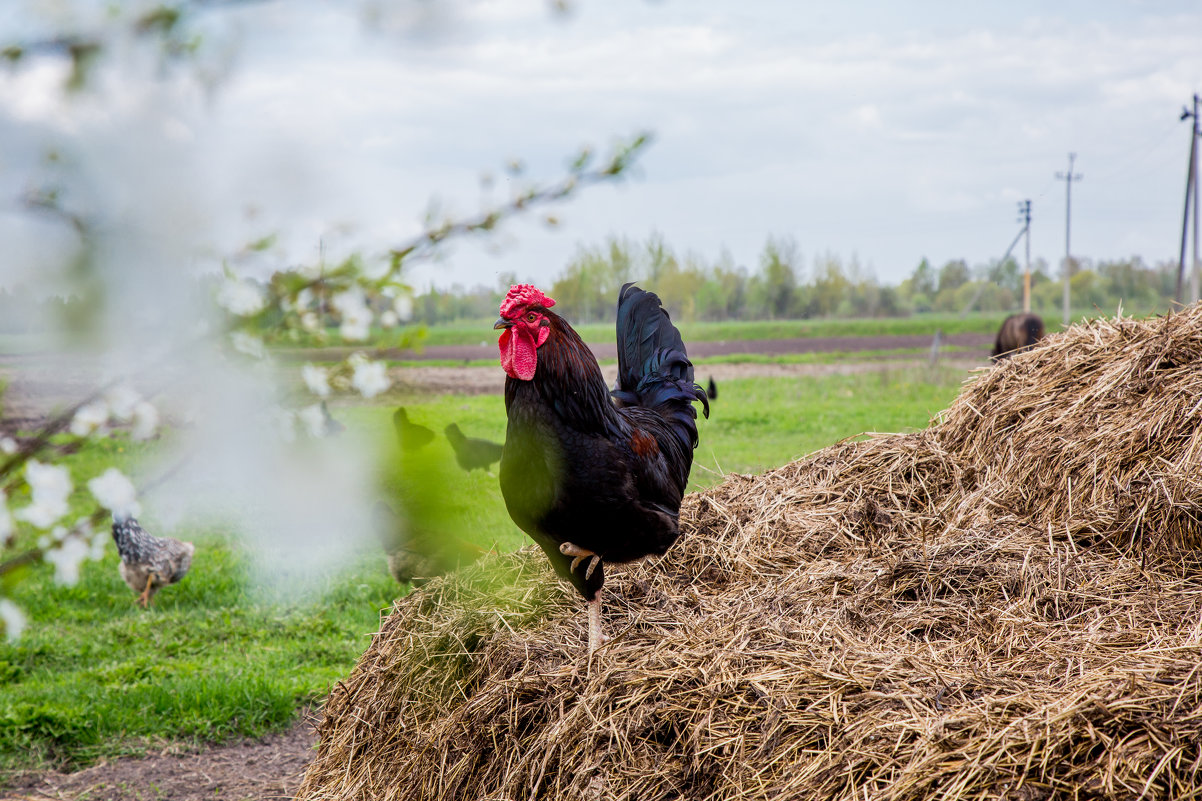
[1191, 182]
[1024, 211]
[1068, 178]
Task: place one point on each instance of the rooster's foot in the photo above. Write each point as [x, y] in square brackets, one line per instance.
[143, 600]
[596, 637]
[569, 549]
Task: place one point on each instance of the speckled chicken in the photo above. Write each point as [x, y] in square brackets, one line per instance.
[149, 563]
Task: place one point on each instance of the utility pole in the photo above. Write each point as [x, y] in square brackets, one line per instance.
[1191, 182]
[1068, 178]
[1024, 211]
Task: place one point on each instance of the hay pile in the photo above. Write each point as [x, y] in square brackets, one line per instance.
[1005, 605]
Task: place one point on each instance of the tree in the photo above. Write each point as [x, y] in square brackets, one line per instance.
[778, 277]
[953, 275]
[183, 316]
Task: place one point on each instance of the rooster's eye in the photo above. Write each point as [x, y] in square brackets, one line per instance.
[531, 317]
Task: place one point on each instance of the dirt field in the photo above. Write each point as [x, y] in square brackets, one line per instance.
[698, 350]
[252, 769]
[39, 384]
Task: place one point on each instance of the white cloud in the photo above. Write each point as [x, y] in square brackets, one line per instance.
[850, 129]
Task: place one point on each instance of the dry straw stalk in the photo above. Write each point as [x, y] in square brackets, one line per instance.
[1007, 604]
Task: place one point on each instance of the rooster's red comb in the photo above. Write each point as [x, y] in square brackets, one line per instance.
[524, 295]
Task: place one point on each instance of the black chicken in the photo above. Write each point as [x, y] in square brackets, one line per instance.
[410, 436]
[589, 480]
[406, 561]
[330, 426]
[712, 390]
[417, 548]
[471, 452]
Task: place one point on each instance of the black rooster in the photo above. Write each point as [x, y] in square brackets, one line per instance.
[589, 480]
[471, 452]
[410, 436]
[712, 390]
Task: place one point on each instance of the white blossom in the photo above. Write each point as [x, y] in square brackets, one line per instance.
[313, 419]
[115, 492]
[404, 307]
[356, 317]
[355, 328]
[66, 559]
[389, 319]
[240, 297]
[146, 421]
[370, 378]
[348, 300]
[50, 486]
[90, 418]
[13, 619]
[8, 446]
[122, 400]
[317, 379]
[310, 322]
[249, 344]
[96, 540]
[304, 299]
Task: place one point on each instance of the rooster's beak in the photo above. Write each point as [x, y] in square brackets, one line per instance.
[502, 323]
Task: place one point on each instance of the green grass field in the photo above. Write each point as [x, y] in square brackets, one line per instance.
[474, 331]
[94, 676]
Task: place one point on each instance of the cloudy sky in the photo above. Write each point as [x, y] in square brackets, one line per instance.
[880, 130]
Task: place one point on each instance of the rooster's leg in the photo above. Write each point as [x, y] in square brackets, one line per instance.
[570, 549]
[144, 599]
[596, 637]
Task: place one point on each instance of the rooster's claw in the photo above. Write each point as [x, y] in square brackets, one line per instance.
[571, 549]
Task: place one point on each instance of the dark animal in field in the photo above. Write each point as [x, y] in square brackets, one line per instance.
[406, 562]
[589, 479]
[410, 436]
[712, 389]
[332, 427]
[1019, 332]
[149, 563]
[415, 555]
[472, 452]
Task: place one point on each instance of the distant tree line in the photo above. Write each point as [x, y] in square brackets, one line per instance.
[781, 286]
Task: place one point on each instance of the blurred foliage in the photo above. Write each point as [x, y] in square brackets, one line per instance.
[345, 302]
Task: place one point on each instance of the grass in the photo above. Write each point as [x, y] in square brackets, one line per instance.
[475, 331]
[813, 357]
[472, 332]
[95, 677]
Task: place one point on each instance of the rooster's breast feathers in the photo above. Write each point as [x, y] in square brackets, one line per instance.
[578, 467]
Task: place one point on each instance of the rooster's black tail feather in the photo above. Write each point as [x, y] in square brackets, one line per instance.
[653, 366]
